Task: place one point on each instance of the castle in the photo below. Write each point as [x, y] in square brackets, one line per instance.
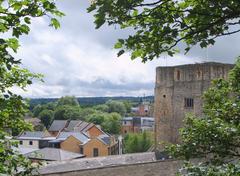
[178, 90]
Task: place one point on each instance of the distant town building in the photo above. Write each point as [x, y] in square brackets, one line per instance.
[137, 124]
[144, 108]
[178, 91]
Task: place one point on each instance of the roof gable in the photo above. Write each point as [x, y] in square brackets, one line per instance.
[58, 125]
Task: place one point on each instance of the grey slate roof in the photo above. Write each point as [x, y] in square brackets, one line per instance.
[31, 135]
[72, 124]
[105, 139]
[98, 162]
[81, 137]
[58, 125]
[53, 154]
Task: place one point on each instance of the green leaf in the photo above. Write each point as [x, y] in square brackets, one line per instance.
[118, 45]
[120, 53]
[55, 23]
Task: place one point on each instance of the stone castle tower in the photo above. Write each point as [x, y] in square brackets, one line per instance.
[178, 90]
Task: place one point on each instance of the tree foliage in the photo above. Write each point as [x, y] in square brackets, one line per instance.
[160, 25]
[68, 100]
[112, 123]
[46, 117]
[216, 136]
[67, 112]
[116, 106]
[15, 18]
[134, 143]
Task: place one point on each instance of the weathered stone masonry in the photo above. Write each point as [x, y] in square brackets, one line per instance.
[178, 90]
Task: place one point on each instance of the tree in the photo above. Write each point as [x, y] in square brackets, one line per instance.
[116, 106]
[215, 137]
[112, 123]
[37, 110]
[15, 18]
[68, 100]
[160, 25]
[102, 107]
[96, 118]
[128, 106]
[134, 143]
[67, 112]
[46, 117]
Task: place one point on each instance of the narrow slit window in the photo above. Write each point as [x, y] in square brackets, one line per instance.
[178, 75]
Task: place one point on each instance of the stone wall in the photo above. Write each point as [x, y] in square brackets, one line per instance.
[173, 85]
[156, 168]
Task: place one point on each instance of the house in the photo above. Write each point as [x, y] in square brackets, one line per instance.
[34, 139]
[69, 141]
[137, 124]
[78, 142]
[102, 145]
[52, 154]
[89, 129]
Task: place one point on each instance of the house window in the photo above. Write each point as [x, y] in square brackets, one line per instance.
[188, 102]
[81, 150]
[30, 142]
[125, 131]
[125, 122]
[95, 152]
[21, 142]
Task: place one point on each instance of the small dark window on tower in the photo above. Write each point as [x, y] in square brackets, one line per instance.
[178, 75]
[198, 74]
[164, 96]
[188, 102]
[30, 142]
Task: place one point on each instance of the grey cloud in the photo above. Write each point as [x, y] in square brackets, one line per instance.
[83, 70]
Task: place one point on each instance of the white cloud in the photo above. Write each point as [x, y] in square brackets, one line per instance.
[79, 60]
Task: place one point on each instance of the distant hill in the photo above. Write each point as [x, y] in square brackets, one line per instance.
[91, 101]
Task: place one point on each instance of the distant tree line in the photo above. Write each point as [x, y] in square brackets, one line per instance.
[90, 101]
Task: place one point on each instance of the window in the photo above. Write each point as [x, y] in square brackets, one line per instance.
[178, 75]
[198, 74]
[81, 150]
[164, 96]
[30, 142]
[188, 102]
[125, 131]
[125, 122]
[21, 142]
[95, 152]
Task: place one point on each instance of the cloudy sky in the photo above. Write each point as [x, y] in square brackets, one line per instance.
[79, 60]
